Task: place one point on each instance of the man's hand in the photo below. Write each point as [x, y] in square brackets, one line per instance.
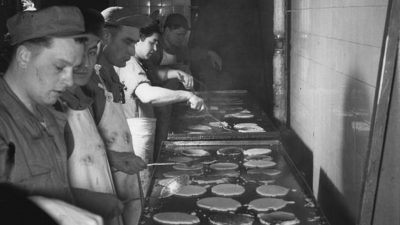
[196, 103]
[215, 60]
[126, 162]
[185, 78]
[66, 214]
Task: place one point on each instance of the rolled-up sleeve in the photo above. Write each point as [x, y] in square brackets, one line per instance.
[132, 75]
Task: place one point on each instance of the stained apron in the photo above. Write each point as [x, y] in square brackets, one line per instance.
[117, 137]
[88, 166]
[143, 133]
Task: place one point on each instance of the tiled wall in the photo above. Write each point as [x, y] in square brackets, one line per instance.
[335, 50]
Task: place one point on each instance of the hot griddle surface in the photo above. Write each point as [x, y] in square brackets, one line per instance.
[289, 178]
[220, 104]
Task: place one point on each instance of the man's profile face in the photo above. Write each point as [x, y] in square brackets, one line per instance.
[145, 48]
[176, 37]
[50, 70]
[83, 72]
[121, 45]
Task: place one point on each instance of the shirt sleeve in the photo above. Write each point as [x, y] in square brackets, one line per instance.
[132, 75]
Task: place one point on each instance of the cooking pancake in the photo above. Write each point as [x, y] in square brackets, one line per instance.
[199, 127]
[230, 151]
[231, 219]
[256, 178]
[178, 173]
[272, 190]
[227, 190]
[197, 166]
[218, 124]
[259, 164]
[174, 218]
[244, 125]
[224, 166]
[251, 130]
[219, 204]
[195, 152]
[240, 115]
[258, 157]
[211, 180]
[226, 173]
[180, 159]
[191, 191]
[279, 217]
[266, 204]
[257, 151]
[270, 172]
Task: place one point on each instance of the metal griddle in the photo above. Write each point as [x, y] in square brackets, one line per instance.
[289, 178]
[224, 100]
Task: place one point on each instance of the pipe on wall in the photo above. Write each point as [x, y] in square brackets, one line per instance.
[279, 74]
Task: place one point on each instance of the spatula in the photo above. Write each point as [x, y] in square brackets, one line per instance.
[174, 186]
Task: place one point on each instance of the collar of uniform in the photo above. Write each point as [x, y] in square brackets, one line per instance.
[20, 114]
[111, 80]
[77, 100]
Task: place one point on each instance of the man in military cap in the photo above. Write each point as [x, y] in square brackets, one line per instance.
[45, 53]
[117, 47]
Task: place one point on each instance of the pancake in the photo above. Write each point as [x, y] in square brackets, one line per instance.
[270, 172]
[219, 204]
[231, 219]
[191, 191]
[178, 173]
[180, 159]
[272, 190]
[176, 218]
[251, 130]
[226, 173]
[244, 125]
[230, 151]
[259, 164]
[218, 124]
[199, 127]
[197, 166]
[248, 128]
[257, 178]
[266, 204]
[240, 115]
[210, 180]
[195, 152]
[257, 151]
[224, 166]
[228, 190]
[258, 157]
[279, 217]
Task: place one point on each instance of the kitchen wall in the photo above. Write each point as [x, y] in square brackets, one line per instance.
[335, 50]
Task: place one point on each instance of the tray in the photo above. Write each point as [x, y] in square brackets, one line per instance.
[305, 207]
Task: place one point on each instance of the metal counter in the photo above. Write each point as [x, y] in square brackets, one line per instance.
[305, 207]
[220, 103]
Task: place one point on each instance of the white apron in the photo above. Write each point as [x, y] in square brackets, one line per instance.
[140, 118]
[117, 137]
[143, 133]
[88, 166]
